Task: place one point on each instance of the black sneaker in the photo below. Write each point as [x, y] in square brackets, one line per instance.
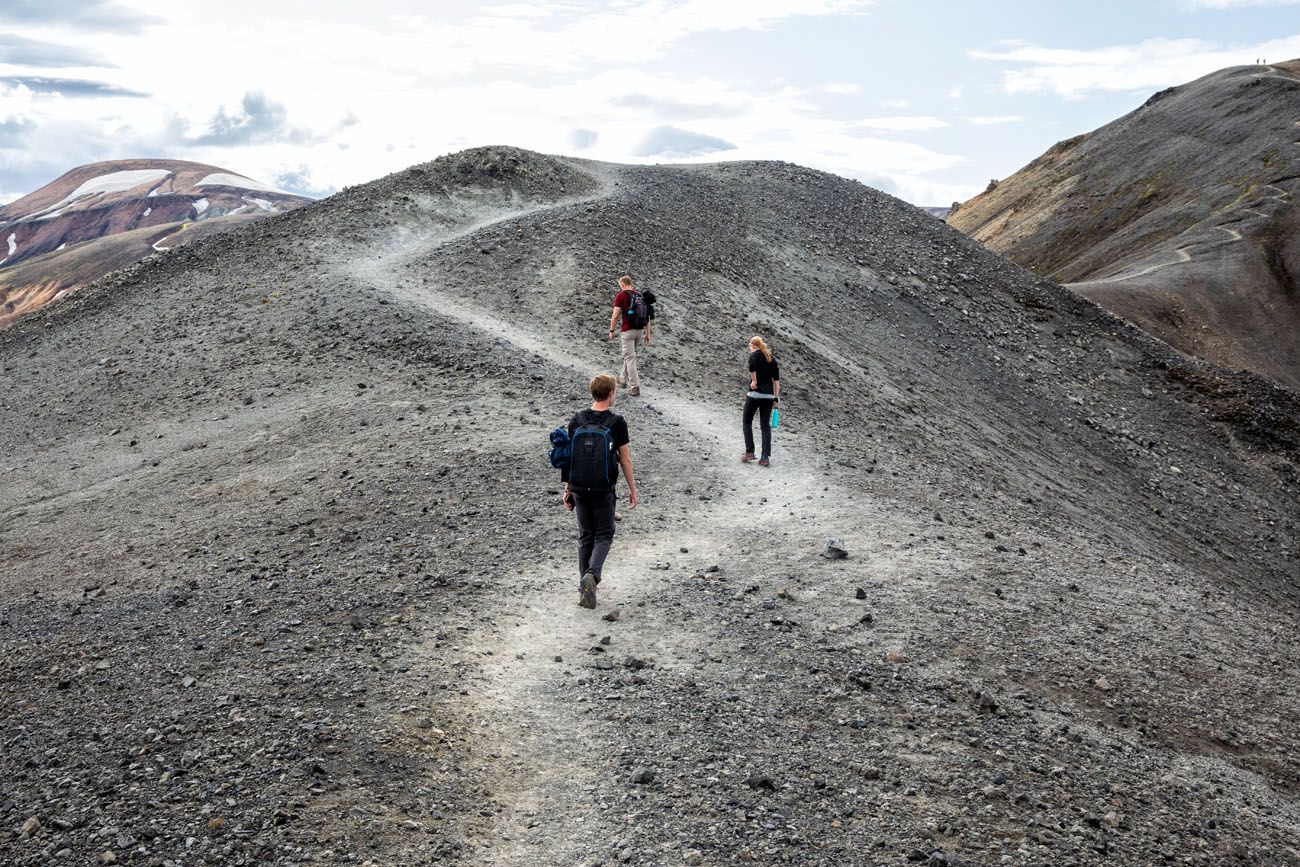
[587, 591]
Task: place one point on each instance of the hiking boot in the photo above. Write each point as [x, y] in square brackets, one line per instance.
[746, 457]
[622, 382]
[587, 591]
[765, 462]
[634, 391]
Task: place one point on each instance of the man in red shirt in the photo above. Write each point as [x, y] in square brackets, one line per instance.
[628, 335]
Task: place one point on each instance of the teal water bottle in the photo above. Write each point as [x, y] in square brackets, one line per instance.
[776, 416]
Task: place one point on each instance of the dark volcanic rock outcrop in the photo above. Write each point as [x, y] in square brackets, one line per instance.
[1179, 216]
[286, 578]
[143, 204]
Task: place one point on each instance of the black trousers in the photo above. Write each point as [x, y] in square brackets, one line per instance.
[595, 512]
[762, 406]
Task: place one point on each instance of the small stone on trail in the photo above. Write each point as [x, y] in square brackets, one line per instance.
[785, 594]
[759, 782]
[107, 857]
[896, 656]
[684, 550]
[860, 594]
[613, 615]
[692, 857]
[216, 825]
[188, 682]
[1102, 684]
[605, 640]
[835, 550]
[643, 776]
[31, 827]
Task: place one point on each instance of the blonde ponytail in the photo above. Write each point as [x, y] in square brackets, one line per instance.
[760, 344]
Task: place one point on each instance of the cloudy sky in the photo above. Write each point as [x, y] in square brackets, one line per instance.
[926, 99]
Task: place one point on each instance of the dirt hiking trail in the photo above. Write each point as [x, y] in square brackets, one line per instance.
[555, 754]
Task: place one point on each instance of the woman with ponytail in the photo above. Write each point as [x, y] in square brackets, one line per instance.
[764, 393]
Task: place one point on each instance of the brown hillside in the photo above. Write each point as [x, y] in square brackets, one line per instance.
[1179, 216]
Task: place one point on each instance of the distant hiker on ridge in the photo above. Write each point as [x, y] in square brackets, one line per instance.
[764, 393]
[632, 310]
[598, 442]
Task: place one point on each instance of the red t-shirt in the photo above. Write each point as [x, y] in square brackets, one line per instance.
[621, 301]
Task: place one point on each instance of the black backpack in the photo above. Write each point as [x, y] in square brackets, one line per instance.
[591, 458]
[638, 312]
[650, 305]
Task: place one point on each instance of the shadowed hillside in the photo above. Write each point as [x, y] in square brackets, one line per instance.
[1179, 216]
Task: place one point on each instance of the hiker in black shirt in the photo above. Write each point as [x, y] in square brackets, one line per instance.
[764, 393]
[594, 503]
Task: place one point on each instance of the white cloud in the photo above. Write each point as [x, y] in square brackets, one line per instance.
[994, 120]
[900, 123]
[1237, 4]
[407, 90]
[955, 93]
[839, 88]
[893, 103]
[1147, 65]
[670, 142]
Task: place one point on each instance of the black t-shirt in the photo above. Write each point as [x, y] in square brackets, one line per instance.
[768, 371]
[617, 430]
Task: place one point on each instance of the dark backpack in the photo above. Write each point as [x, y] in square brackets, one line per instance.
[591, 458]
[638, 312]
[650, 301]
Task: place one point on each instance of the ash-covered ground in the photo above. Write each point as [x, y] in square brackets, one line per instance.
[285, 578]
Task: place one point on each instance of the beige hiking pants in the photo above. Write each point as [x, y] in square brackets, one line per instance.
[629, 340]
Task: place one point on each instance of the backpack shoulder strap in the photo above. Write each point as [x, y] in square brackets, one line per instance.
[586, 419]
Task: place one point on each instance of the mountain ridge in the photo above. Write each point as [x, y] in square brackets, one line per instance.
[107, 199]
[1177, 216]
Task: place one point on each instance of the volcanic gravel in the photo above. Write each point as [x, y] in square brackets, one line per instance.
[285, 578]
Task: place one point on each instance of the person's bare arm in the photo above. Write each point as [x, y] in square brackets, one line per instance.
[776, 388]
[625, 461]
[647, 332]
[613, 322]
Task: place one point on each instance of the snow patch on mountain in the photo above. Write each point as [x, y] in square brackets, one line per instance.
[200, 206]
[113, 182]
[224, 179]
[263, 204]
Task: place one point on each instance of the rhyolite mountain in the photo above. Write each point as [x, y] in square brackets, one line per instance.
[53, 240]
[1179, 216]
[286, 577]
